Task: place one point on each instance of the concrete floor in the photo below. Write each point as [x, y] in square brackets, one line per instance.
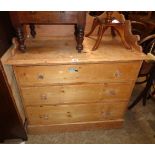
[139, 127]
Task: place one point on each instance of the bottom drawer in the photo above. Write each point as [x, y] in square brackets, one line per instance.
[60, 114]
[79, 126]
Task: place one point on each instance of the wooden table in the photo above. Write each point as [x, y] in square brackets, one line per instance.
[77, 18]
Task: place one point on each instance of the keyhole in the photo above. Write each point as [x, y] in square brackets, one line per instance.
[72, 70]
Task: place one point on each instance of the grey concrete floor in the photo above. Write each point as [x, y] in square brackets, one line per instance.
[139, 128]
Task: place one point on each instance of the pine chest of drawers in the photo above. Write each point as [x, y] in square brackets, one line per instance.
[62, 90]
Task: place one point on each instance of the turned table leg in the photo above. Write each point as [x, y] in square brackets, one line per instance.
[80, 38]
[20, 35]
[75, 31]
[32, 30]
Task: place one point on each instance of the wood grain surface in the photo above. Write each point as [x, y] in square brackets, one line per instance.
[80, 73]
[78, 93]
[61, 114]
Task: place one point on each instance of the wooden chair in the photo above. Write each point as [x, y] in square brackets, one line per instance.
[146, 32]
[145, 94]
[139, 28]
[115, 21]
[147, 43]
[147, 70]
[140, 15]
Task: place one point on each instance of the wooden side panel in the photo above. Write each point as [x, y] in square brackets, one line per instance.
[13, 85]
[61, 114]
[89, 73]
[76, 93]
[11, 125]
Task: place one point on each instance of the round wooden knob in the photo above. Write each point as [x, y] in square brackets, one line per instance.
[44, 116]
[117, 74]
[69, 114]
[106, 114]
[112, 92]
[40, 76]
[43, 97]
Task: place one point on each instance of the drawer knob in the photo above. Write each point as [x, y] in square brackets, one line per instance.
[40, 77]
[112, 92]
[43, 97]
[69, 114]
[43, 116]
[117, 74]
[106, 114]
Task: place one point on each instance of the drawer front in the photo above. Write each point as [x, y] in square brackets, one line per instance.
[76, 93]
[62, 114]
[89, 73]
[42, 17]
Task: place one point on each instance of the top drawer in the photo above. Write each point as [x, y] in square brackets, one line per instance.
[88, 73]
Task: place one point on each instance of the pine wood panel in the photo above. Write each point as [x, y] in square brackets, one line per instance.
[62, 114]
[76, 93]
[13, 85]
[61, 50]
[44, 75]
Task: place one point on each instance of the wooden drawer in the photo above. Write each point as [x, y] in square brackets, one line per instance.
[48, 17]
[76, 93]
[62, 114]
[89, 73]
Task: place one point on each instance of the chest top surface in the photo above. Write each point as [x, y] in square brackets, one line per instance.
[61, 50]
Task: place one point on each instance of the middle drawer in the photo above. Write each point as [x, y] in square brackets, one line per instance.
[76, 93]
